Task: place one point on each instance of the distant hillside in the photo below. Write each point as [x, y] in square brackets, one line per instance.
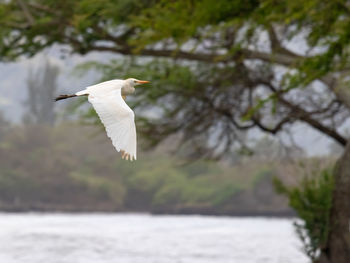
[75, 168]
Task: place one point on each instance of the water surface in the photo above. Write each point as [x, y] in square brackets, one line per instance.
[138, 238]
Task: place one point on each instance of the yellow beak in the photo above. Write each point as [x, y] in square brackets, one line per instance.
[142, 81]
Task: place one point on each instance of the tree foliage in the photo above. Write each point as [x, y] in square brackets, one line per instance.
[312, 200]
[217, 68]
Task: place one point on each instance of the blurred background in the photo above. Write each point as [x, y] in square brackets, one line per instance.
[238, 131]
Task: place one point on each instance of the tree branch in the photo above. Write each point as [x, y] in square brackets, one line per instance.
[43, 8]
[276, 45]
[26, 12]
[273, 130]
[203, 57]
[303, 115]
[15, 25]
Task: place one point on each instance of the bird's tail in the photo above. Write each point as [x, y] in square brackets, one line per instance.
[63, 97]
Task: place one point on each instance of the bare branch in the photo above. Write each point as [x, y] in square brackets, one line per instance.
[340, 90]
[276, 45]
[303, 115]
[275, 129]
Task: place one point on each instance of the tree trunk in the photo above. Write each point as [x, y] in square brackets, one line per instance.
[338, 244]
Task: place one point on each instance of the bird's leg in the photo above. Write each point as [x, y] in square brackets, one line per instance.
[125, 155]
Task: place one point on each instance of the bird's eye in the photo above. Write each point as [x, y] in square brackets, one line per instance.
[135, 81]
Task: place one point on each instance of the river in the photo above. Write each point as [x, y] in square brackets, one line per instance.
[140, 238]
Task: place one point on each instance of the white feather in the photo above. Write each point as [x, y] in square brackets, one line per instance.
[102, 87]
[115, 114]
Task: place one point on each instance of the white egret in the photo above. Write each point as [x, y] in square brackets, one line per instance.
[107, 98]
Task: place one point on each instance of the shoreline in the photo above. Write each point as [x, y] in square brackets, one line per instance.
[269, 214]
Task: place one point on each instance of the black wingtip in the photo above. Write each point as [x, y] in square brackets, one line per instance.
[62, 97]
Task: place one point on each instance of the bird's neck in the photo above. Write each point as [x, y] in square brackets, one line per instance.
[127, 90]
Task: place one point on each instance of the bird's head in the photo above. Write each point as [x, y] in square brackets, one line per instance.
[135, 82]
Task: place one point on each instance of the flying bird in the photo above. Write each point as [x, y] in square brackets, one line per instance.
[108, 100]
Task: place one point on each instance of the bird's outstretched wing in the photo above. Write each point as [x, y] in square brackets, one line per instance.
[118, 120]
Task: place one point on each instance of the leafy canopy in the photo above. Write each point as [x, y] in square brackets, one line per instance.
[217, 67]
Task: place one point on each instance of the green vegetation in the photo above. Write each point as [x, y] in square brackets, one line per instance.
[312, 200]
[212, 63]
[71, 167]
